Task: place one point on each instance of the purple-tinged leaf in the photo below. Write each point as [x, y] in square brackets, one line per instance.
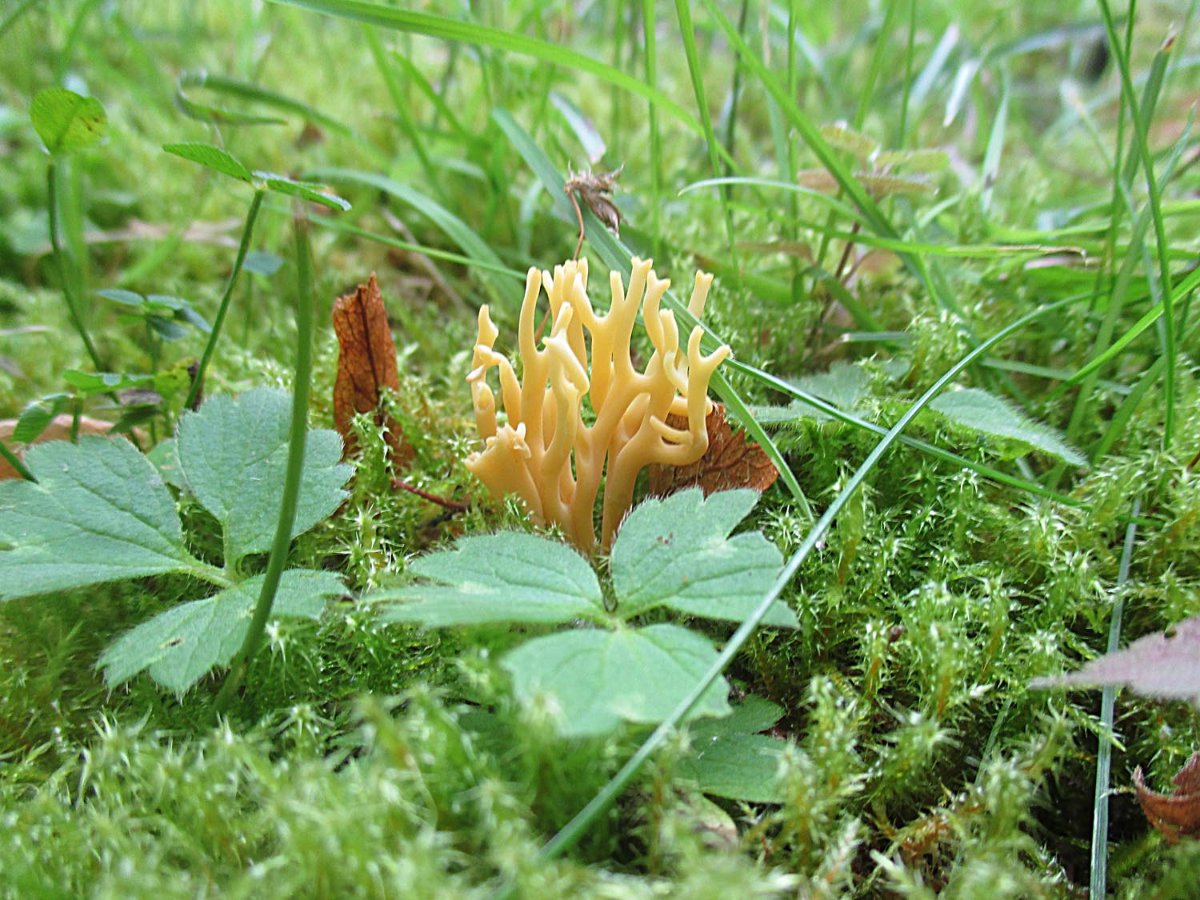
[1158, 665]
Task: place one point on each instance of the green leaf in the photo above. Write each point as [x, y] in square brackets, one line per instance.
[211, 158]
[98, 512]
[65, 121]
[233, 454]
[678, 553]
[737, 767]
[731, 760]
[308, 190]
[507, 577]
[592, 680]
[181, 645]
[37, 416]
[977, 409]
[90, 383]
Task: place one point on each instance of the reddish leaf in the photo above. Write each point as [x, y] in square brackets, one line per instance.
[730, 462]
[366, 365]
[1177, 814]
[1158, 664]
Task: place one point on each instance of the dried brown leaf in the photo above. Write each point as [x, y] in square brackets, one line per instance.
[1175, 815]
[366, 366]
[730, 462]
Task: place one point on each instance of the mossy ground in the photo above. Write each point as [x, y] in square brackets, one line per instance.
[364, 760]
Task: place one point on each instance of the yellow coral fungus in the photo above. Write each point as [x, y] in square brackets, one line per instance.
[546, 452]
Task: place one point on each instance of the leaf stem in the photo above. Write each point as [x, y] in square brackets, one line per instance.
[211, 346]
[15, 461]
[295, 462]
[68, 284]
[574, 830]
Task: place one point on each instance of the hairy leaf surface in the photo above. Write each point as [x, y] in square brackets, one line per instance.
[181, 645]
[992, 415]
[678, 553]
[98, 512]
[233, 454]
[506, 577]
[594, 679]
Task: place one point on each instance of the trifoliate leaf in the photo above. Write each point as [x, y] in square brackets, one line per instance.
[678, 553]
[233, 454]
[507, 577]
[993, 415]
[181, 645]
[729, 759]
[66, 121]
[591, 680]
[1158, 665]
[98, 512]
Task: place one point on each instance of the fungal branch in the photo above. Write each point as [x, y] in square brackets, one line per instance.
[570, 422]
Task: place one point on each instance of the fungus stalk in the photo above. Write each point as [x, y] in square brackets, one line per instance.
[545, 450]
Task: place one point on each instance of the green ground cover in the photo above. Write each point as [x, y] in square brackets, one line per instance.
[955, 255]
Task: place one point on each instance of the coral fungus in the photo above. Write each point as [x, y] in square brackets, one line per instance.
[570, 423]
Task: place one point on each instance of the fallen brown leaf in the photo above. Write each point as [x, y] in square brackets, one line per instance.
[1175, 815]
[366, 366]
[730, 462]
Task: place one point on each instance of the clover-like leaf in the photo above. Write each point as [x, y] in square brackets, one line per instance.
[678, 553]
[992, 415]
[66, 121]
[211, 158]
[181, 645]
[506, 577]
[233, 454]
[307, 190]
[98, 512]
[594, 679]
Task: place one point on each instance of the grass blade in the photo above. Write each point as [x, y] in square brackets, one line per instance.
[473, 33]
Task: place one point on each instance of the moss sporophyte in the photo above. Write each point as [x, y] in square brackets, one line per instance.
[547, 452]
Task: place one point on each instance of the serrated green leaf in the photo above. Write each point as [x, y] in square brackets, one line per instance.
[737, 767]
[730, 759]
[211, 158]
[181, 645]
[66, 121]
[308, 190]
[507, 577]
[233, 454]
[592, 680]
[752, 715]
[981, 411]
[98, 512]
[677, 553]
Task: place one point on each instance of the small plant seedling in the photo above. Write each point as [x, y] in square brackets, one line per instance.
[100, 512]
[674, 554]
[66, 122]
[218, 160]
